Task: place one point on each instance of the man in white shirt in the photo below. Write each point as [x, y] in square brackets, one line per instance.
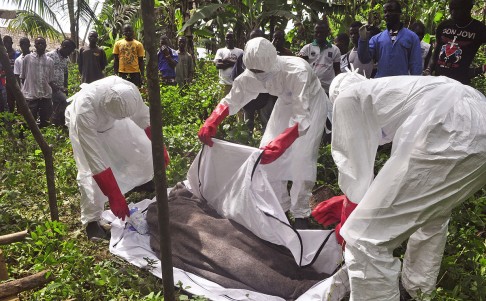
[24, 44]
[225, 59]
[351, 57]
[323, 56]
[419, 28]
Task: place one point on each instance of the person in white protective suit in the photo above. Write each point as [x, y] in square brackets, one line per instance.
[438, 159]
[109, 128]
[293, 133]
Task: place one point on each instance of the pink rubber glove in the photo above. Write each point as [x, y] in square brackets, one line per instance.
[277, 146]
[108, 185]
[148, 132]
[210, 126]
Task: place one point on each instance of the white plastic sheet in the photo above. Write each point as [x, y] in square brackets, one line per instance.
[229, 177]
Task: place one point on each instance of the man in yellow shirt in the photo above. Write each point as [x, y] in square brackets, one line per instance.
[129, 55]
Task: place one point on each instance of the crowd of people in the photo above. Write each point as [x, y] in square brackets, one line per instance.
[376, 91]
[394, 51]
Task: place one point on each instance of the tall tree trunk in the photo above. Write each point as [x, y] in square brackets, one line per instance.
[148, 17]
[72, 21]
[187, 5]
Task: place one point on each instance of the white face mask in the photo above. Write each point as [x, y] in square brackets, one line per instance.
[264, 76]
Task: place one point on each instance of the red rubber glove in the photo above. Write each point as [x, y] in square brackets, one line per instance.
[277, 146]
[329, 211]
[348, 207]
[210, 126]
[108, 185]
[148, 132]
[333, 210]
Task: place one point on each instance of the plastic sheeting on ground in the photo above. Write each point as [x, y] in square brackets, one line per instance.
[229, 178]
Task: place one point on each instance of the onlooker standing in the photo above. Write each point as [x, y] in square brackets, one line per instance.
[323, 56]
[168, 60]
[3, 91]
[279, 43]
[419, 29]
[91, 60]
[38, 82]
[342, 42]
[261, 100]
[24, 44]
[396, 49]
[185, 67]
[60, 56]
[128, 57]
[12, 56]
[458, 40]
[351, 57]
[225, 59]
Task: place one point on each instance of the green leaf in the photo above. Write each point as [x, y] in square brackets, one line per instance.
[203, 32]
[205, 12]
[438, 17]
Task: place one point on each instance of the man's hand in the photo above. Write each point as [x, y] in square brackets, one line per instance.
[364, 33]
[165, 50]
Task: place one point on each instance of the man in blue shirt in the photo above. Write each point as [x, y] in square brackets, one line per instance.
[396, 49]
[168, 60]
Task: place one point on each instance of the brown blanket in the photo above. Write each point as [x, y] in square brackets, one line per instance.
[220, 250]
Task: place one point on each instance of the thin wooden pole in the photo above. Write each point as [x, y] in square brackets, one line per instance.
[13, 237]
[3, 267]
[150, 42]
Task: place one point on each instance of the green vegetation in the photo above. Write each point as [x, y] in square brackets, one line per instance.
[87, 271]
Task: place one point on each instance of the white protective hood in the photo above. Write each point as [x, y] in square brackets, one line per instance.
[342, 81]
[120, 101]
[260, 54]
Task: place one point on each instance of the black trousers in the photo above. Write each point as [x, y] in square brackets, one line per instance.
[134, 78]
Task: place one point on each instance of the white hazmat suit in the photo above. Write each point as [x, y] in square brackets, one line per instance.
[106, 122]
[301, 101]
[438, 159]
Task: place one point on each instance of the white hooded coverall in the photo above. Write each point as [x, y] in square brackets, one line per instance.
[438, 159]
[300, 99]
[107, 133]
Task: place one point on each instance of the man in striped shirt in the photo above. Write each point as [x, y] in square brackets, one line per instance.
[37, 77]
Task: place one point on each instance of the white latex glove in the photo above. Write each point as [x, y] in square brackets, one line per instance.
[364, 33]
